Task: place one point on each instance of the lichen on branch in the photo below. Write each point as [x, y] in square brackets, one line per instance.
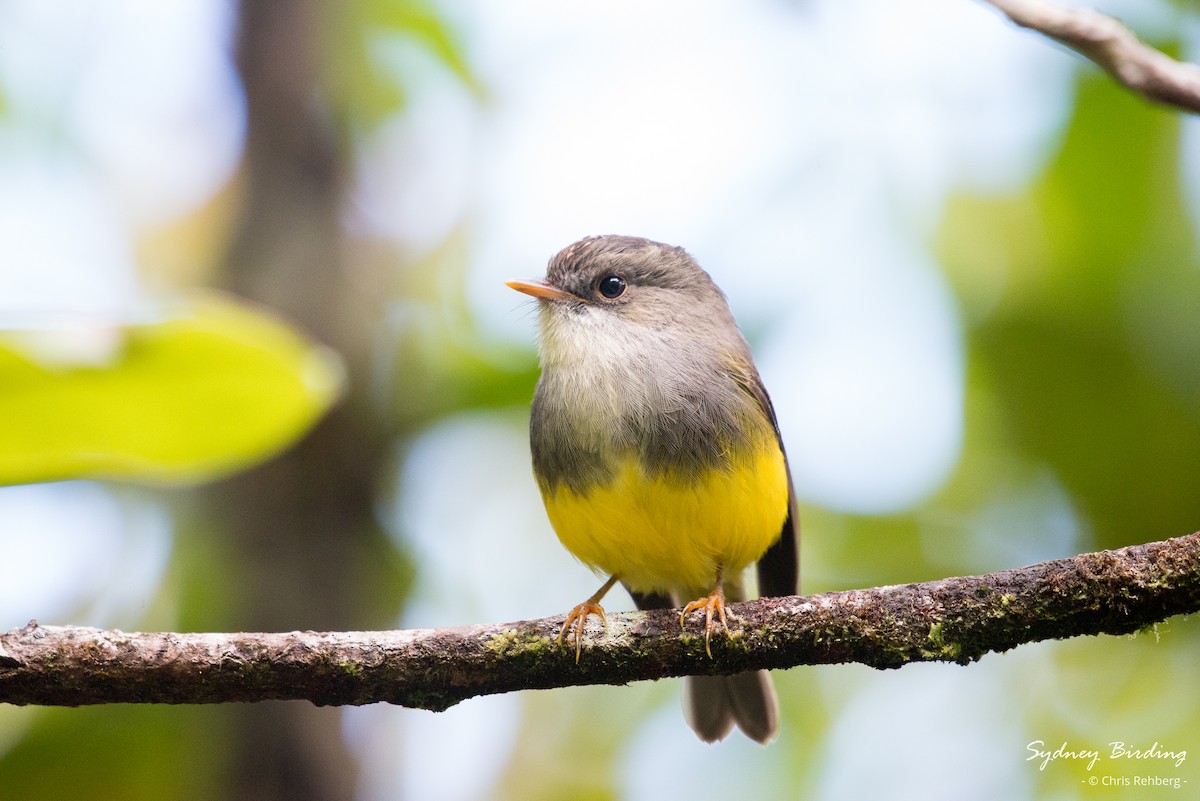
[952, 620]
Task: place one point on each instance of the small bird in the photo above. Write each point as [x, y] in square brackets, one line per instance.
[657, 452]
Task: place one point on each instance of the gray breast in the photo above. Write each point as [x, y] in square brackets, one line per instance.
[679, 418]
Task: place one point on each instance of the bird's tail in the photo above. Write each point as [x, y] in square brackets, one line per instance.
[713, 704]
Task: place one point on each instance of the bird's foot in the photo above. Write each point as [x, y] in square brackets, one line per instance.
[577, 620]
[711, 604]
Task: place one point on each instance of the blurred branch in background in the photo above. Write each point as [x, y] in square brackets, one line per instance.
[1112, 46]
[951, 620]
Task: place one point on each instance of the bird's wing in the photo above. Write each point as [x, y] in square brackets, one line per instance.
[779, 567]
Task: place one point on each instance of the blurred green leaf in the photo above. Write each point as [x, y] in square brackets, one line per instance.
[443, 361]
[127, 753]
[458, 368]
[367, 86]
[214, 389]
[421, 21]
[1087, 366]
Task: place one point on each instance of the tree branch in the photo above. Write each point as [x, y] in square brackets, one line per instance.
[1113, 47]
[952, 620]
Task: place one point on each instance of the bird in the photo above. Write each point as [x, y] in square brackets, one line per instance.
[657, 452]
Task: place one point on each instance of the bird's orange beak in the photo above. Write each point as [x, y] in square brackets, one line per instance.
[540, 289]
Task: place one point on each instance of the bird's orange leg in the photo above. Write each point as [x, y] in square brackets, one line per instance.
[579, 615]
[713, 603]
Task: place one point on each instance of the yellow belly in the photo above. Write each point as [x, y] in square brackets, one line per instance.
[667, 534]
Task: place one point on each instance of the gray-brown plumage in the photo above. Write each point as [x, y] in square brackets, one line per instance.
[649, 411]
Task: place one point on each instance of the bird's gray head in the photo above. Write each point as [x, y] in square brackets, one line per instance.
[638, 281]
[629, 299]
[631, 276]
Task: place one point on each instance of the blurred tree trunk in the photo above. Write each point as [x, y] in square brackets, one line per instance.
[301, 526]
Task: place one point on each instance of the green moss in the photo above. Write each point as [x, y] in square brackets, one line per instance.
[350, 668]
[538, 645]
[511, 642]
[736, 640]
[500, 644]
[833, 634]
[941, 648]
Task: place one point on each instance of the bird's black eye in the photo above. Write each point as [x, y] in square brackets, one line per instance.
[611, 286]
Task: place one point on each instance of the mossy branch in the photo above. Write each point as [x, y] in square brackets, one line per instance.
[952, 620]
[1105, 41]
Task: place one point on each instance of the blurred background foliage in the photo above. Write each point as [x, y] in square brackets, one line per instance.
[210, 389]
[979, 362]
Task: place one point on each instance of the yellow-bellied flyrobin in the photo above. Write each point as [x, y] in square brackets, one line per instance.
[657, 452]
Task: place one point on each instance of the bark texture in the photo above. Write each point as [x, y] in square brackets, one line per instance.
[952, 620]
